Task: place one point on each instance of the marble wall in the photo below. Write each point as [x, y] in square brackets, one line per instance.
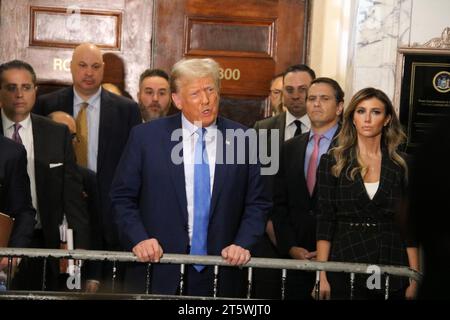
[53, 63]
[383, 26]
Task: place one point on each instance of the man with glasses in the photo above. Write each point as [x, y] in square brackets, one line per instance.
[55, 182]
[276, 89]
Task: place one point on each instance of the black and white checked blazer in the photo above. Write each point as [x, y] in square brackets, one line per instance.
[362, 230]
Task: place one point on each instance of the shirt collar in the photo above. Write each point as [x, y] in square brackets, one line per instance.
[91, 101]
[191, 128]
[7, 123]
[329, 134]
[304, 119]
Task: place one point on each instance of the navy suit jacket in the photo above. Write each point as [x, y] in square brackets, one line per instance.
[149, 201]
[15, 197]
[117, 116]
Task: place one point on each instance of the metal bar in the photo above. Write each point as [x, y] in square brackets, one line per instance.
[283, 283]
[216, 276]
[44, 274]
[289, 264]
[9, 274]
[317, 286]
[114, 276]
[182, 270]
[249, 282]
[147, 278]
[352, 285]
[386, 288]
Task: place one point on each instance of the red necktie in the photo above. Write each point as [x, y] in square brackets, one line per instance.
[312, 166]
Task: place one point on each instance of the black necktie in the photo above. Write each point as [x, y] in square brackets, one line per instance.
[298, 131]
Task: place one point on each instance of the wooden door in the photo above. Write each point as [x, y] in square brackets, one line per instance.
[252, 40]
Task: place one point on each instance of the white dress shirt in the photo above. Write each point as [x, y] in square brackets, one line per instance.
[26, 135]
[189, 140]
[93, 119]
[290, 128]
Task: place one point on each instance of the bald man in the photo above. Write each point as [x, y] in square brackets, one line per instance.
[109, 121]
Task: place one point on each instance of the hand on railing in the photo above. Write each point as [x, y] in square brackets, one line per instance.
[148, 250]
[300, 253]
[236, 255]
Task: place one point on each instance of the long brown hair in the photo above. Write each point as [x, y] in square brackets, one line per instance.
[347, 151]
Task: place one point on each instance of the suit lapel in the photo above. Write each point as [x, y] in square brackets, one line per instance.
[105, 128]
[222, 149]
[281, 124]
[39, 156]
[66, 100]
[298, 161]
[386, 177]
[177, 170]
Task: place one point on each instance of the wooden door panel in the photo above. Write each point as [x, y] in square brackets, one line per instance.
[252, 40]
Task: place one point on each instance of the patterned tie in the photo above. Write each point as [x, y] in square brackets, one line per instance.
[202, 198]
[16, 135]
[298, 131]
[312, 166]
[81, 145]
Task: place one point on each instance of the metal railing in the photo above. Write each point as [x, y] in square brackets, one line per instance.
[216, 261]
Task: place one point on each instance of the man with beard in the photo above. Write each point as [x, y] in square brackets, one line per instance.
[154, 94]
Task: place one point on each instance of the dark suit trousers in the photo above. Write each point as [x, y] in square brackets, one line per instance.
[30, 272]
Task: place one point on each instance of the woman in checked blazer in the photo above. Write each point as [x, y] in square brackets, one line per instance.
[361, 184]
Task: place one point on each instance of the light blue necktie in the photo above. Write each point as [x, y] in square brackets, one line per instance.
[202, 198]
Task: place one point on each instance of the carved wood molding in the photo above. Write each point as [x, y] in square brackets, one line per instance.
[68, 27]
[261, 45]
[442, 42]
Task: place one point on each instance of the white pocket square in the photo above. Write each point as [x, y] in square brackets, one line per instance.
[54, 165]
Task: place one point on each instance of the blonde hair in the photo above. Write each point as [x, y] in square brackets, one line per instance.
[347, 151]
[193, 69]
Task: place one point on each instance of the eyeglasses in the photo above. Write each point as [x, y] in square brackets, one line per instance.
[275, 92]
[12, 88]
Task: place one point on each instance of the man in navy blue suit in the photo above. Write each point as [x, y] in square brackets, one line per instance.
[180, 188]
[15, 197]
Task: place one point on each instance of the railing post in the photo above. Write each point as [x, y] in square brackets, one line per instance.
[44, 274]
[317, 286]
[386, 288]
[216, 275]
[352, 284]
[182, 270]
[114, 276]
[147, 277]
[249, 282]
[9, 274]
[283, 283]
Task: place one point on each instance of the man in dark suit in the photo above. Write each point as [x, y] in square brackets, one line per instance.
[294, 200]
[109, 120]
[55, 182]
[288, 124]
[176, 190]
[90, 194]
[15, 198]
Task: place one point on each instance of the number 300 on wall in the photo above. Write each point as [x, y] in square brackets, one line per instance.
[230, 74]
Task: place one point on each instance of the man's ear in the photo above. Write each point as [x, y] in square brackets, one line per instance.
[177, 101]
[340, 108]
